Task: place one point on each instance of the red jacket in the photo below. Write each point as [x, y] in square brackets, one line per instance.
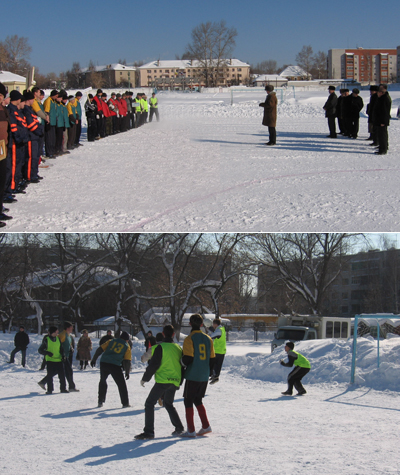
[123, 108]
[106, 110]
[99, 103]
[114, 103]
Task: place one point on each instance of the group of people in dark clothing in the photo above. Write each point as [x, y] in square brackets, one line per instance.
[347, 107]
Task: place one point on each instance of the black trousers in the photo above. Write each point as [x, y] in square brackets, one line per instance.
[91, 129]
[15, 351]
[219, 359]
[69, 373]
[53, 368]
[78, 131]
[295, 377]
[167, 391]
[50, 139]
[272, 134]
[383, 139]
[3, 172]
[332, 126]
[116, 372]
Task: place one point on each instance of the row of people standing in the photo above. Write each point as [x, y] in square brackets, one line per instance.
[26, 126]
[119, 113]
[347, 107]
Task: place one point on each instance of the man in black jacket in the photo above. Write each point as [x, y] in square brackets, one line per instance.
[373, 90]
[21, 341]
[330, 111]
[355, 106]
[382, 118]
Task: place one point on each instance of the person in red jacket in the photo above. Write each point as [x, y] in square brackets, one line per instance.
[114, 112]
[100, 114]
[107, 115]
[123, 111]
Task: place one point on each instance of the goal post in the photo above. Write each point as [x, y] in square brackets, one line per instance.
[385, 323]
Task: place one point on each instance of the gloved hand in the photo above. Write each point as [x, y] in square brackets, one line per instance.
[126, 376]
[48, 353]
[282, 362]
[142, 383]
[93, 363]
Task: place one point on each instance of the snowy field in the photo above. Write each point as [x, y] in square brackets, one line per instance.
[335, 429]
[204, 167]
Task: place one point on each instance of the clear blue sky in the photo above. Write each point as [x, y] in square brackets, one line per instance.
[105, 31]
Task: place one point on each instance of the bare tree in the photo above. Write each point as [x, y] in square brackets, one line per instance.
[319, 66]
[269, 66]
[14, 54]
[212, 46]
[74, 76]
[306, 264]
[304, 58]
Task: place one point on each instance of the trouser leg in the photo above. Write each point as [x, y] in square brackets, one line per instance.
[119, 379]
[272, 134]
[13, 353]
[69, 374]
[219, 359]
[155, 393]
[23, 353]
[104, 373]
[169, 397]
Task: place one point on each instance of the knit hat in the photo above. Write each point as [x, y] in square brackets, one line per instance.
[52, 329]
[356, 91]
[28, 96]
[269, 88]
[124, 336]
[331, 88]
[374, 88]
[290, 344]
[15, 95]
[53, 93]
[78, 94]
[3, 89]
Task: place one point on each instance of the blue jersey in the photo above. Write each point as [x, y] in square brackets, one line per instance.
[201, 348]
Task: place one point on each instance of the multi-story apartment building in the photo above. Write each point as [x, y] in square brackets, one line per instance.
[367, 66]
[184, 74]
[113, 75]
[369, 282]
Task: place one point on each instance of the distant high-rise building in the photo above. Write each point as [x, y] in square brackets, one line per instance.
[367, 66]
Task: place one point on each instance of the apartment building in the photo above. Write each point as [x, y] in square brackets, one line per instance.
[367, 66]
[188, 74]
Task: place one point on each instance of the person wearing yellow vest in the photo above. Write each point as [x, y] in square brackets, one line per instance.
[302, 367]
[165, 365]
[52, 349]
[154, 107]
[219, 340]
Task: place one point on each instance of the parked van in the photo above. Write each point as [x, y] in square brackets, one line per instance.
[310, 327]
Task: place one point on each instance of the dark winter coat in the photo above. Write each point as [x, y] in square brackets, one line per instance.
[21, 340]
[84, 348]
[105, 338]
[330, 105]
[371, 107]
[270, 110]
[381, 115]
[356, 104]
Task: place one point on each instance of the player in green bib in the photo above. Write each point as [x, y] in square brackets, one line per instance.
[52, 349]
[165, 365]
[302, 367]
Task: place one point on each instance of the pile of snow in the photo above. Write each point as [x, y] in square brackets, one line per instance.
[330, 363]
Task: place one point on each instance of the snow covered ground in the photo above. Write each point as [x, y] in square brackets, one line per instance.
[335, 429]
[204, 167]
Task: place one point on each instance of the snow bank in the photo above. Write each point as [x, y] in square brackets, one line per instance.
[330, 362]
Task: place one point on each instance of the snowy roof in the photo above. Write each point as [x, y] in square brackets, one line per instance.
[55, 276]
[6, 76]
[270, 77]
[112, 67]
[293, 71]
[109, 320]
[186, 63]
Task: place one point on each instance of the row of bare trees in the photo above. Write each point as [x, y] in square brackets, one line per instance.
[85, 275]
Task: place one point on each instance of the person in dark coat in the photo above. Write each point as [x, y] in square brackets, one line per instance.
[21, 341]
[270, 113]
[340, 108]
[382, 118]
[373, 90]
[91, 112]
[330, 111]
[108, 336]
[150, 340]
[355, 106]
